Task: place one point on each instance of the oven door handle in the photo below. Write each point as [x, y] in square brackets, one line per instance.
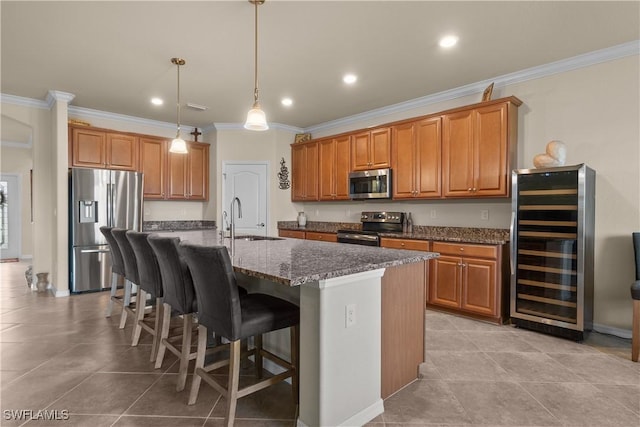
[358, 237]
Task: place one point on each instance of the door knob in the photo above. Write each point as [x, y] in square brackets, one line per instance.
[261, 224]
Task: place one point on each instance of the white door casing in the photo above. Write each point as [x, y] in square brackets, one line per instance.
[248, 181]
[11, 238]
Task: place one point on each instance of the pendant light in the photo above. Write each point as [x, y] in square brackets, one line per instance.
[256, 120]
[178, 145]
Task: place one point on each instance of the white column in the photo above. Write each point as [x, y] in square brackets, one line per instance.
[59, 102]
[340, 361]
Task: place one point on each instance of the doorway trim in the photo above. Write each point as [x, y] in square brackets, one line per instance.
[17, 219]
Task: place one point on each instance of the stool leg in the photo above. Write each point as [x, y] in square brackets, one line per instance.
[140, 306]
[202, 348]
[156, 329]
[114, 288]
[185, 351]
[635, 338]
[164, 334]
[295, 361]
[126, 301]
[234, 380]
[257, 340]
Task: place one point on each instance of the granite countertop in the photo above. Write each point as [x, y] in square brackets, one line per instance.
[491, 236]
[293, 262]
[178, 225]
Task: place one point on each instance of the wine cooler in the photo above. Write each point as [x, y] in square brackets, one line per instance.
[552, 231]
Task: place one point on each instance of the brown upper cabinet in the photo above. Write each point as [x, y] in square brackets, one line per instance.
[334, 158]
[478, 146]
[304, 172]
[96, 148]
[189, 173]
[371, 149]
[153, 163]
[415, 153]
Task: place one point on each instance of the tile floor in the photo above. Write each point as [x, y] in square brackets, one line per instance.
[63, 354]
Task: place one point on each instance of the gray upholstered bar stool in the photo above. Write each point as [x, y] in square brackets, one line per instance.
[179, 299]
[223, 310]
[150, 284]
[130, 269]
[635, 295]
[117, 271]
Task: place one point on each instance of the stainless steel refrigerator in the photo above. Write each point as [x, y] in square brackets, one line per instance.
[552, 234]
[99, 197]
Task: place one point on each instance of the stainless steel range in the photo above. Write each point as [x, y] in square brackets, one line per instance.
[373, 223]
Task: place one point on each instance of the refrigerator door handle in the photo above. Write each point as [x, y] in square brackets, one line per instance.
[512, 229]
[109, 201]
[112, 198]
[94, 251]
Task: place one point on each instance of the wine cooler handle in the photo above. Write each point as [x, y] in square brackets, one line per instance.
[512, 241]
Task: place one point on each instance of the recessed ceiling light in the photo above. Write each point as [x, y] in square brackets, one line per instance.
[287, 102]
[448, 41]
[157, 101]
[350, 78]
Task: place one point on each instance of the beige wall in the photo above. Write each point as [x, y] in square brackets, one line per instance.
[19, 161]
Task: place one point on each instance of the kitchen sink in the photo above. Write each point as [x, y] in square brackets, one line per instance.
[251, 238]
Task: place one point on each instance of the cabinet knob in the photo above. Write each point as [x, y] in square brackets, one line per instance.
[469, 189]
[474, 189]
[462, 249]
[402, 244]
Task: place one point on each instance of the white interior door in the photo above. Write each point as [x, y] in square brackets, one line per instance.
[10, 202]
[248, 181]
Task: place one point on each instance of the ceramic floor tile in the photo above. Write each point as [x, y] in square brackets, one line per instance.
[274, 402]
[582, 405]
[448, 341]
[106, 393]
[163, 399]
[77, 421]
[550, 344]
[85, 357]
[538, 367]
[466, 324]
[499, 340]
[424, 401]
[598, 368]
[239, 422]
[467, 366]
[140, 421]
[427, 370]
[500, 403]
[16, 356]
[136, 359]
[628, 395]
[438, 322]
[7, 377]
[39, 388]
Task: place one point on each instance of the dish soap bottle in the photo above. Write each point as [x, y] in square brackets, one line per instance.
[409, 224]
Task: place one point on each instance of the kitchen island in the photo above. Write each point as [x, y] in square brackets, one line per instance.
[340, 294]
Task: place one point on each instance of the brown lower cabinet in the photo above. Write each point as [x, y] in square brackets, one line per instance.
[294, 234]
[325, 237]
[469, 279]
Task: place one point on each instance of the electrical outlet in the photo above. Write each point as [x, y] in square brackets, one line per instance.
[350, 315]
[433, 214]
[484, 214]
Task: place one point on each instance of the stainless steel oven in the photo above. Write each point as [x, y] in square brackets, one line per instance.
[373, 223]
[370, 184]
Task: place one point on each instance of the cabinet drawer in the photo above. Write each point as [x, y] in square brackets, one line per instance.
[414, 245]
[466, 250]
[325, 237]
[295, 234]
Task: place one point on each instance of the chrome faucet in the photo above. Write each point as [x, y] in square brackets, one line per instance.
[232, 233]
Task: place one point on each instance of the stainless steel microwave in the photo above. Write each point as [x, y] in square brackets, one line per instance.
[370, 184]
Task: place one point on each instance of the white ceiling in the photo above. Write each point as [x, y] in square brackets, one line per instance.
[114, 56]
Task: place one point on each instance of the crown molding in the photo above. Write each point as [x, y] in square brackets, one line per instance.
[90, 113]
[564, 65]
[23, 102]
[58, 96]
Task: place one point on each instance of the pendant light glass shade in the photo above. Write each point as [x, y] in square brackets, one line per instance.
[256, 119]
[178, 145]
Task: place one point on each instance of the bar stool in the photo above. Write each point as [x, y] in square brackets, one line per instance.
[222, 309]
[150, 284]
[130, 269]
[179, 298]
[117, 271]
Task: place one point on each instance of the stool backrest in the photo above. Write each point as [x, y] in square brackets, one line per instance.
[636, 249]
[177, 285]
[117, 264]
[148, 268]
[128, 257]
[216, 288]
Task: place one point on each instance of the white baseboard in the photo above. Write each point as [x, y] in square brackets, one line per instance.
[610, 330]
